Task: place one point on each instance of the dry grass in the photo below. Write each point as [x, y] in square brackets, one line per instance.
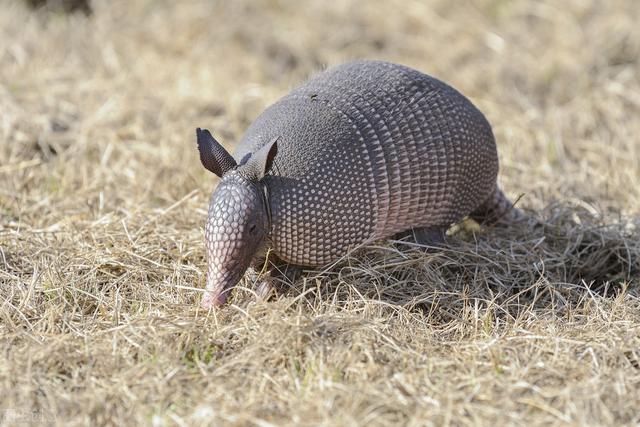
[102, 202]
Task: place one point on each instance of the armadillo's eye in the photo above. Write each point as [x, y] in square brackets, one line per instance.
[252, 228]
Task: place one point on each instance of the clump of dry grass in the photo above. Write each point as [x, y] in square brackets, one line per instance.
[102, 202]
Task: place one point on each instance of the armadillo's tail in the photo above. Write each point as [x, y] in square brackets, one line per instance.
[499, 210]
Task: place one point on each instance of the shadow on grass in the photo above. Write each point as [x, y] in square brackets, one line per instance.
[570, 256]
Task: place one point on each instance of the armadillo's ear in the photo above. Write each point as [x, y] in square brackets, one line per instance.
[262, 160]
[212, 154]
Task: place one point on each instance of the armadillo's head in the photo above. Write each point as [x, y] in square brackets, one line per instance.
[238, 221]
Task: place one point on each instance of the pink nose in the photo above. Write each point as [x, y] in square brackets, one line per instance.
[212, 299]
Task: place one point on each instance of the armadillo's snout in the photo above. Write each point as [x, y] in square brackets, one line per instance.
[234, 231]
[219, 286]
[229, 256]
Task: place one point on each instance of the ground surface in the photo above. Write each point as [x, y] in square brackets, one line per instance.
[103, 200]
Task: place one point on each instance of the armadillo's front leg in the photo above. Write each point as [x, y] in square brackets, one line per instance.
[268, 279]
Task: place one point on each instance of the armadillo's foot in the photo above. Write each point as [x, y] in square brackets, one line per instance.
[266, 288]
[272, 281]
[263, 284]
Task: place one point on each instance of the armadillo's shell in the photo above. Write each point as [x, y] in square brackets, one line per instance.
[368, 149]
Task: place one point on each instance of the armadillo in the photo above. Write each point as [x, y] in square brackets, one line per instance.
[362, 151]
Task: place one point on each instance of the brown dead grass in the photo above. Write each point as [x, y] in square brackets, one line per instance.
[102, 202]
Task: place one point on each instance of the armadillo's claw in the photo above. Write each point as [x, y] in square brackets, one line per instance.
[263, 284]
[270, 283]
[265, 289]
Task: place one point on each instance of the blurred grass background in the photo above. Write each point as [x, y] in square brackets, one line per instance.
[102, 202]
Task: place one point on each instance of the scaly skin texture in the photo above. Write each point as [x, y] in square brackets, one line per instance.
[233, 233]
[362, 151]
